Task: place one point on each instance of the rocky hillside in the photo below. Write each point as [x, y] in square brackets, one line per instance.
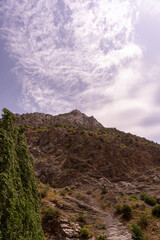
[76, 144]
[84, 169]
[74, 119]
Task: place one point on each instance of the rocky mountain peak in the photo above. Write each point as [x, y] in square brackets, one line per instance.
[76, 112]
[74, 118]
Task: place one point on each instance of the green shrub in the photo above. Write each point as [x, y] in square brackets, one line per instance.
[136, 206]
[63, 192]
[101, 237]
[150, 200]
[104, 191]
[156, 210]
[85, 233]
[118, 208]
[133, 198]
[143, 206]
[44, 191]
[53, 184]
[143, 221]
[126, 212]
[137, 233]
[142, 196]
[81, 219]
[100, 225]
[51, 214]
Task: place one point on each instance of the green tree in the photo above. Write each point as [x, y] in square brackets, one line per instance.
[19, 201]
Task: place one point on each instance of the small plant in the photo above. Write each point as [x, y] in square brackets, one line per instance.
[53, 184]
[100, 225]
[143, 221]
[85, 233]
[137, 233]
[126, 212]
[142, 196]
[121, 194]
[150, 200]
[133, 198]
[143, 206]
[104, 191]
[72, 218]
[156, 210]
[44, 192]
[103, 205]
[51, 214]
[101, 237]
[118, 208]
[63, 192]
[58, 154]
[136, 206]
[70, 192]
[89, 192]
[81, 219]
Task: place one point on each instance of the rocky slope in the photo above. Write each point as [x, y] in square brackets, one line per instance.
[89, 168]
[74, 119]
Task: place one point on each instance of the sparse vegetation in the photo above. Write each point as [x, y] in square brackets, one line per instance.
[156, 210]
[148, 199]
[44, 191]
[133, 198]
[63, 192]
[104, 191]
[85, 232]
[137, 233]
[89, 192]
[118, 208]
[81, 219]
[142, 195]
[100, 225]
[51, 214]
[143, 206]
[143, 221]
[126, 212]
[102, 237]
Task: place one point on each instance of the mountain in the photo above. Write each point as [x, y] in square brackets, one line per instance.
[74, 118]
[79, 144]
[93, 181]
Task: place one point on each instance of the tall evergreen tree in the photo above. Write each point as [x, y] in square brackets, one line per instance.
[19, 201]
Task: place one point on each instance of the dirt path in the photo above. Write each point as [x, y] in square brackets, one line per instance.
[115, 230]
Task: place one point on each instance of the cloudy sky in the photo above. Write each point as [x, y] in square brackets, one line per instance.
[99, 56]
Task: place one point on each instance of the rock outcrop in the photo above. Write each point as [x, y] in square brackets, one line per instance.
[75, 118]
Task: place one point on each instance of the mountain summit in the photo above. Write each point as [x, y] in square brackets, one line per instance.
[74, 118]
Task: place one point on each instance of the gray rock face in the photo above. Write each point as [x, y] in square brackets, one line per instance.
[75, 118]
[69, 230]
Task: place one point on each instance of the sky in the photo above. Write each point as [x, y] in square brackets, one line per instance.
[99, 56]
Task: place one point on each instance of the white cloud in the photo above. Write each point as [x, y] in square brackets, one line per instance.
[67, 46]
[150, 7]
[81, 54]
